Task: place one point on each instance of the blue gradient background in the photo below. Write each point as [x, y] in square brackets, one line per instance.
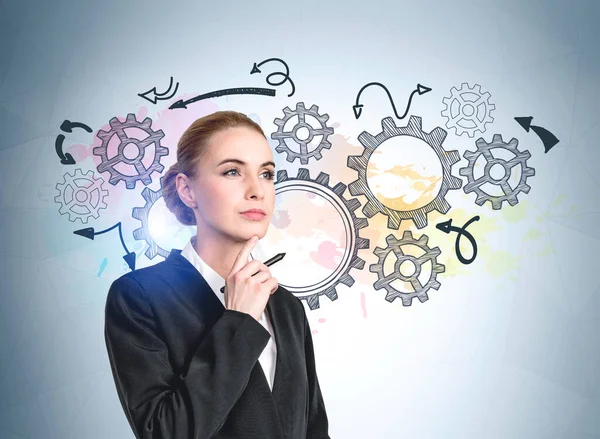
[486, 357]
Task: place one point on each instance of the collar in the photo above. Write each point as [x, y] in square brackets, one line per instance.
[212, 278]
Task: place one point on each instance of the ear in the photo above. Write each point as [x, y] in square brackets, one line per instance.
[185, 190]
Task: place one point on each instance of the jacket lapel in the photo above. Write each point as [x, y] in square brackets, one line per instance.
[209, 309]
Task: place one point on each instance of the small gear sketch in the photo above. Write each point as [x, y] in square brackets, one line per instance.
[485, 149]
[419, 290]
[345, 207]
[434, 139]
[127, 167]
[143, 214]
[468, 109]
[81, 196]
[301, 112]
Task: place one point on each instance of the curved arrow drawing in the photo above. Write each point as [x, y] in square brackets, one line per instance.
[547, 138]
[286, 75]
[228, 91]
[421, 89]
[65, 158]
[67, 126]
[447, 227]
[88, 232]
[159, 96]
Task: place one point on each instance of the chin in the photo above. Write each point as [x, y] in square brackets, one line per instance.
[248, 232]
[247, 229]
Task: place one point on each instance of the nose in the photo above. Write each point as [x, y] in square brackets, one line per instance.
[255, 187]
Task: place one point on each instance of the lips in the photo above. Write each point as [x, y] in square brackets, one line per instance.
[254, 214]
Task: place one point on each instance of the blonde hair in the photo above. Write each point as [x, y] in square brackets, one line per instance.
[192, 146]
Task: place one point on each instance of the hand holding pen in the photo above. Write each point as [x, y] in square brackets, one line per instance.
[249, 285]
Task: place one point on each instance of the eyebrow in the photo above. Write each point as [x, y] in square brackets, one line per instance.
[244, 163]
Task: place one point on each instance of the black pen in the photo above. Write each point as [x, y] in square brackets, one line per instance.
[278, 257]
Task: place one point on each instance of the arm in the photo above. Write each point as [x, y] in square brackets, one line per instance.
[158, 402]
[318, 425]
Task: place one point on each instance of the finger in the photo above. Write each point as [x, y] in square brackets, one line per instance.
[253, 268]
[275, 286]
[242, 257]
[261, 276]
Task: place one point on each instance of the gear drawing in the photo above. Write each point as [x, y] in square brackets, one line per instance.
[420, 290]
[143, 233]
[485, 149]
[304, 155]
[434, 139]
[141, 172]
[468, 109]
[81, 196]
[335, 196]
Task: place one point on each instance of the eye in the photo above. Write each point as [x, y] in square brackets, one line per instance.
[270, 174]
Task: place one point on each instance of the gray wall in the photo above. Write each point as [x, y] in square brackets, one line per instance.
[507, 347]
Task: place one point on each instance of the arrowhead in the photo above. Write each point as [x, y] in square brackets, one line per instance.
[66, 126]
[421, 89]
[152, 99]
[88, 232]
[178, 104]
[68, 160]
[130, 259]
[255, 69]
[525, 122]
[357, 110]
[445, 226]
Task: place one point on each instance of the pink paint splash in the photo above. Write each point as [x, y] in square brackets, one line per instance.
[321, 320]
[363, 304]
[326, 253]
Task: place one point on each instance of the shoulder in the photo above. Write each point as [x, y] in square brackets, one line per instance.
[134, 287]
[144, 277]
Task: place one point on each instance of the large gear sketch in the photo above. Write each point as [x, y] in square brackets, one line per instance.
[143, 214]
[81, 196]
[434, 139]
[485, 149]
[304, 155]
[468, 109]
[141, 171]
[419, 290]
[352, 225]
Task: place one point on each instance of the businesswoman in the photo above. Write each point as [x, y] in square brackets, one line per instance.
[190, 361]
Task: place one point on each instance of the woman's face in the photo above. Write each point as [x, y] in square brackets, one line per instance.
[235, 174]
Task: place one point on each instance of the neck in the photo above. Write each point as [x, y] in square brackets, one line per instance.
[218, 252]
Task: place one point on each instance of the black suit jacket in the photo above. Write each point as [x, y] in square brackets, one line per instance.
[185, 367]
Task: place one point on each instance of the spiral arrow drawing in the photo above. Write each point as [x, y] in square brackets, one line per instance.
[447, 227]
[286, 75]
